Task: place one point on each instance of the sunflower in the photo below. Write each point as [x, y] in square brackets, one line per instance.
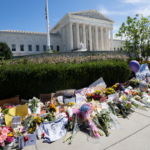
[39, 120]
[52, 108]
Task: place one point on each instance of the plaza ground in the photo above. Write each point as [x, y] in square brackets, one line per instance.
[134, 135]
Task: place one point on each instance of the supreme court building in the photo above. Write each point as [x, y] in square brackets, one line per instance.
[90, 27]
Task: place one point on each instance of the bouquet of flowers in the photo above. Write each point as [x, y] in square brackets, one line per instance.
[34, 103]
[6, 136]
[94, 96]
[109, 91]
[134, 82]
[50, 107]
[102, 120]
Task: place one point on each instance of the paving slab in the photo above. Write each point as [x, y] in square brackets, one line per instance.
[138, 141]
[143, 112]
[131, 126]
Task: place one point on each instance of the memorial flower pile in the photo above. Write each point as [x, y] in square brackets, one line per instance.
[88, 111]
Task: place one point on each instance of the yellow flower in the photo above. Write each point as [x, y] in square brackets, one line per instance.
[9, 134]
[71, 104]
[39, 120]
[30, 130]
[0, 109]
[35, 118]
[123, 97]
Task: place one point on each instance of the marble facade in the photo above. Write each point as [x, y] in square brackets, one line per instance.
[90, 27]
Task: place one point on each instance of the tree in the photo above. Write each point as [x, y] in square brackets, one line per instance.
[5, 51]
[136, 34]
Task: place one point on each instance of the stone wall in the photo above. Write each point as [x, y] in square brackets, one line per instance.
[70, 54]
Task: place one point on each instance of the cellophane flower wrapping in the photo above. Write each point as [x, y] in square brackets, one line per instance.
[86, 110]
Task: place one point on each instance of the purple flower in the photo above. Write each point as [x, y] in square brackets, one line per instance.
[9, 139]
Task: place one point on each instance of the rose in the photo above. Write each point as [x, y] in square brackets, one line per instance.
[70, 118]
[43, 134]
[26, 139]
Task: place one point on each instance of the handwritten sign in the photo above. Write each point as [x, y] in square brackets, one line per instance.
[141, 74]
[31, 140]
[16, 121]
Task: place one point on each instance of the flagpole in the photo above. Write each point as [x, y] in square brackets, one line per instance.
[48, 34]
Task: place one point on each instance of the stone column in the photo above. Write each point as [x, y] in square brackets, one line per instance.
[78, 40]
[107, 39]
[96, 37]
[84, 36]
[102, 41]
[90, 37]
[111, 36]
[71, 36]
[63, 39]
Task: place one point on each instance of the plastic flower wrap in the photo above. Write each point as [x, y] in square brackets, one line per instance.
[86, 110]
[69, 111]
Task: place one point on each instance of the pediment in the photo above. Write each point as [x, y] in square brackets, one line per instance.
[92, 14]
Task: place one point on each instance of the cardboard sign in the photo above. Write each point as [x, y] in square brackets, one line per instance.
[101, 87]
[141, 74]
[45, 97]
[98, 82]
[16, 121]
[31, 140]
[14, 100]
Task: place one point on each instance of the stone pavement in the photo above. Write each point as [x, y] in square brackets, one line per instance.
[134, 135]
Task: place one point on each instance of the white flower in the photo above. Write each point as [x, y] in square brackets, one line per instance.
[29, 104]
[46, 120]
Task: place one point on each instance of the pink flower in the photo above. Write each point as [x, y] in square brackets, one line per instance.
[3, 144]
[6, 128]
[9, 139]
[2, 138]
[5, 131]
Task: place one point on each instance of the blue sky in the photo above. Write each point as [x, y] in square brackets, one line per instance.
[29, 15]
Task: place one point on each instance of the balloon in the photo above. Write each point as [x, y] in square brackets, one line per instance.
[134, 65]
[143, 86]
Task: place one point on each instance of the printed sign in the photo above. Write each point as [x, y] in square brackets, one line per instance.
[16, 121]
[141, 74]
[31, 140]
[54, 130]
[98, 82]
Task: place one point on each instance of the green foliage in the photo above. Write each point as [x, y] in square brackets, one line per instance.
[136, 33]
[5, 52]
[28, 80]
